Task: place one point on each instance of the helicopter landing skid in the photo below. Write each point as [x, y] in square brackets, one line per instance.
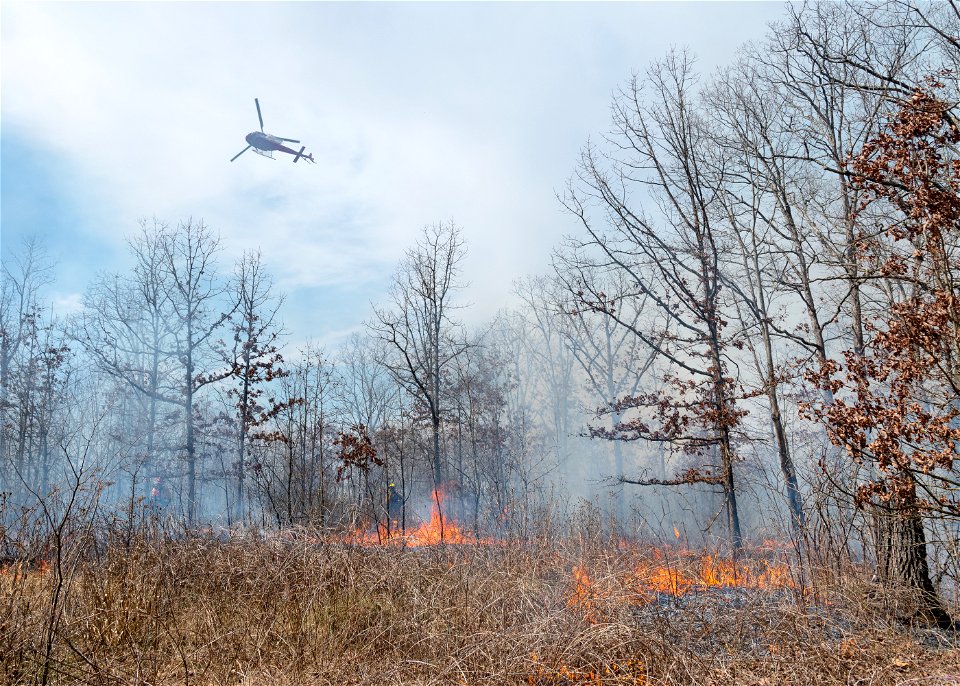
[265, 153]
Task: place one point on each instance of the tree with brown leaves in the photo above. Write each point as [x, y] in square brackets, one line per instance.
[897, 405]
[254, 360]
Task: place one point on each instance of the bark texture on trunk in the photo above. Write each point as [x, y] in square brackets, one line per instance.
[900, 543]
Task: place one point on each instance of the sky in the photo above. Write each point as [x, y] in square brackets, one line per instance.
[416, 113]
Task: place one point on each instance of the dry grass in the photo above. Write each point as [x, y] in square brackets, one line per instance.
[296, 611]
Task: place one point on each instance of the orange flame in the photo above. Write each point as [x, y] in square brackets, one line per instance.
[685, 572]
[709, 571]
[584, 587]
[584, 595]
[440, 528]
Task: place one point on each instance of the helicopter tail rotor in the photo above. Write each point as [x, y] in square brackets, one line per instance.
[259, 116]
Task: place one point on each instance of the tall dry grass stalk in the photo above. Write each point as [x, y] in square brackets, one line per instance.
[300, 608]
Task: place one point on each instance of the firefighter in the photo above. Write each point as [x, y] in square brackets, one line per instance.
[158, 496]
[394, 506]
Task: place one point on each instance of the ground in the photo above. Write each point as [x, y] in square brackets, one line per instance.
[310, 608]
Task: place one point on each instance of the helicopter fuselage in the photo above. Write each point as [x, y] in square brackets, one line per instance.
[264, 141]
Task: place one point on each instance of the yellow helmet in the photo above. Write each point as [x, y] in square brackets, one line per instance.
[392, 484]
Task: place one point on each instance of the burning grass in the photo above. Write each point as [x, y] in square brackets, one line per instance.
[438, 528]
[305, 609]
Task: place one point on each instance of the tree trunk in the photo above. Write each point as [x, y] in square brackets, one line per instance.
[901, 551]
[619, 467]
[729, 493]
[191, 445]
[152, 465]
[244, 428]
[437, 471]
[723, 406]
[787, 468]
[797, 520]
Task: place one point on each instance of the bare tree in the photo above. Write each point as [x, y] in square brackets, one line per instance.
[533, 375]
[35, 371]
[155, 329]
[22, 276]
[195, 294]
[290, 452]
[612, 358]
[545, 358]
[367, 387]
[127, 329]
[417, 326]
[771, 269]
[24, 273]
[809, 65]
[657, 197]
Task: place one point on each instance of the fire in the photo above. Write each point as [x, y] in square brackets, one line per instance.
[724, 573]
[666, 580]
[583, 593]
[685, 572]
[440, 528]
[691, 573]
[669, 571]
[17, 572]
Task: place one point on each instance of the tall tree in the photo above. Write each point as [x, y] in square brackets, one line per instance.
[196, 299]
[543, 365]
[809, 62]
[366, 386]
[154, 330]
[127, 328]
[611, 356]
[418, 327]
[897, 403]
[771, 267]
[292, 464]
[668, 251]
[253, 357]
[24, 273]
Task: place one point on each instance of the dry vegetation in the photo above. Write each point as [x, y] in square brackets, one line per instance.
[295, 609]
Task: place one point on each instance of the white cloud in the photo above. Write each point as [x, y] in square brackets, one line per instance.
[65, 304]
[415, 113]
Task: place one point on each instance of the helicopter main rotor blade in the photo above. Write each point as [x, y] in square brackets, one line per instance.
[288, 140]
[260, 116]
[239, 153]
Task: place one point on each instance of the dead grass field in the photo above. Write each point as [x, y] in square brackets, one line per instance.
[296, 610]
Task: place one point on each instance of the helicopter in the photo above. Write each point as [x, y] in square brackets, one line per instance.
[265, 144]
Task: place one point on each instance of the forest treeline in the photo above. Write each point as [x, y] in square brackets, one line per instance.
[760, 307]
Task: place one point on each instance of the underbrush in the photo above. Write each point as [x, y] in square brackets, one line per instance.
[298, 609]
